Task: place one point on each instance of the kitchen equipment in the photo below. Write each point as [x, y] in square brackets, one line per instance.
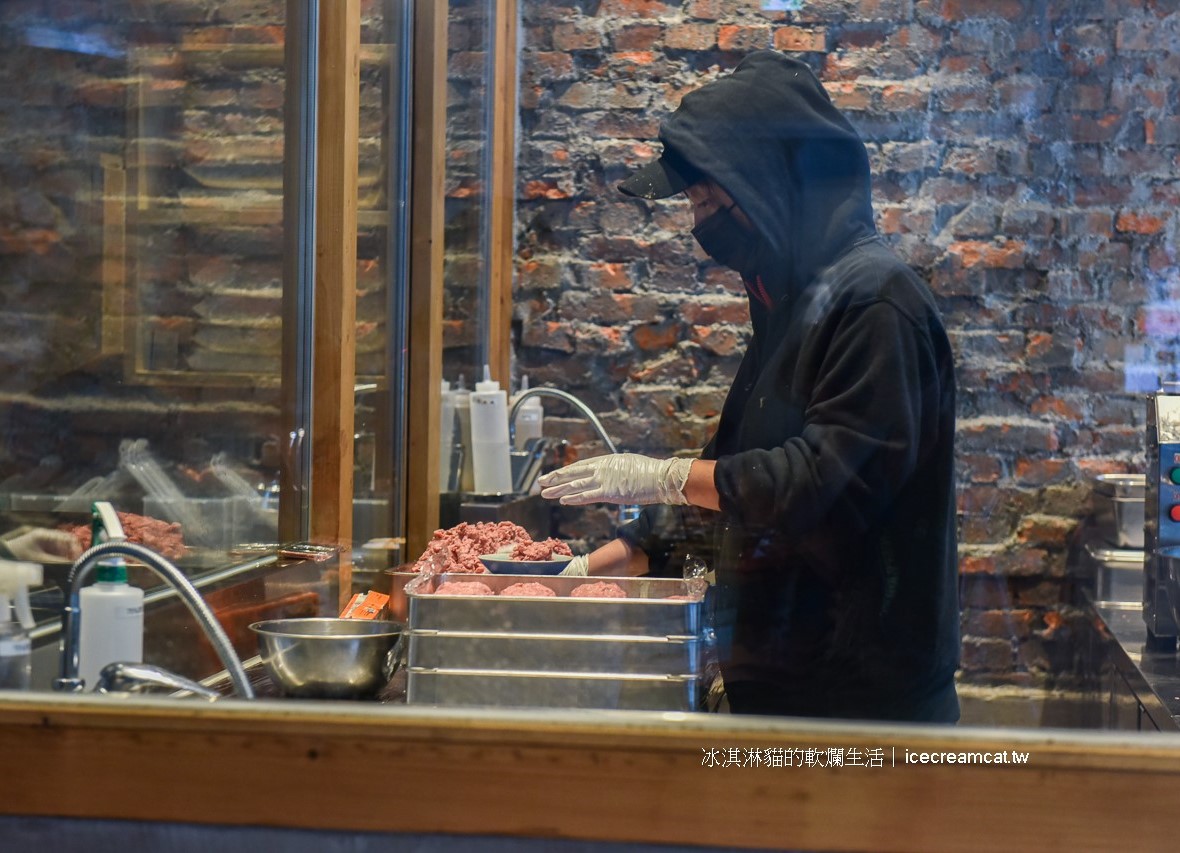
[503, 564]
[646, 612]
[1161, 516]
[642, 652]
[328, 658]
[1119, 501]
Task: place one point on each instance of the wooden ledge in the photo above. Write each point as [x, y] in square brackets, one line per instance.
[678, 779]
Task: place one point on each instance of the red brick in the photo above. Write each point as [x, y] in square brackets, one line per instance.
[1003, 254]
[606, 275]
[1045, 531]
[1140, 223]
[849, 95]
[575, 37]
[736, 312]
[717, 339]
[742, 38]
[800, 40]
[1040, 472]
[691, 37]
[637, 37]
[633, 9]
[706, 10]
[657, 336]
[960, 10]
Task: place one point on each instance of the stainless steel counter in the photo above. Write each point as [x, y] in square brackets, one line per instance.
[1151, 679]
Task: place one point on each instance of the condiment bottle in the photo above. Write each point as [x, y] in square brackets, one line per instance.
[489, 437]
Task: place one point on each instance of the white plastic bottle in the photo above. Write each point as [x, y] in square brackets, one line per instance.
[111, 622]
[446, 436]
[489, 437]
[530, 417]
[16, 649]
[462, 398]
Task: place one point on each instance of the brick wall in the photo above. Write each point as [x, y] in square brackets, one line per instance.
[1025, 160]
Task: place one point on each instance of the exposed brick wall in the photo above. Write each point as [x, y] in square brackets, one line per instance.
[1025, 158]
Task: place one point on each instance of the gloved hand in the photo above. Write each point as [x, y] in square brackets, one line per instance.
[41, 545]
[578, 567]
[620, 478]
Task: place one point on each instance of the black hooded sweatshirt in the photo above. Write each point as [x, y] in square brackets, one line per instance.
[835, 544]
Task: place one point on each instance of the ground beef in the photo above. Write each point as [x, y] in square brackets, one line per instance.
[531, 589]
[598, 589]
[457, 549]
[546, 549]
[463, 588]
[164, 537]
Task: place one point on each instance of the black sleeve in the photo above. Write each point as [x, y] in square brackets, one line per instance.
[664, 534]
[871, 407]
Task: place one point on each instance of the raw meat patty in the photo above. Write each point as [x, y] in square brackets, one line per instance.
[599, 589]
[463, 588]
[531, 589]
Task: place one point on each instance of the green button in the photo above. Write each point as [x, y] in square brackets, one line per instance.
[1174, 476]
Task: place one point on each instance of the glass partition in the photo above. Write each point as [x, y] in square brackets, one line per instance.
[1022, 164]
[143, 267]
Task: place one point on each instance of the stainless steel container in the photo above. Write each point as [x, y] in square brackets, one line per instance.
[647, 611]
[1119, 501]
[642, 652]
[555, 652]
[606, 691]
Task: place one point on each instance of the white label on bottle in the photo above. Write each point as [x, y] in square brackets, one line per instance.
[129, 612]
[17, 647]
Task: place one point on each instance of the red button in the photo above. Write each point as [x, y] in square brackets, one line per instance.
[1174, 512]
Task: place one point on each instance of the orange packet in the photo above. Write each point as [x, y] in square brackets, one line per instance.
[365, 605]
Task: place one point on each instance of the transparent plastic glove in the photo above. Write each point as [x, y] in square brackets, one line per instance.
[41, 545]
[619, 478]
[578, 567]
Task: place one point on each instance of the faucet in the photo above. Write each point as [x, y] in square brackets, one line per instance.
[626, 513]
[71, 613]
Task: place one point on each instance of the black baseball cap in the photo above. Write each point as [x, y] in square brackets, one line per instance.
[663, 177]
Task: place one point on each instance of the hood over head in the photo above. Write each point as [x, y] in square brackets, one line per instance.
[770, 136]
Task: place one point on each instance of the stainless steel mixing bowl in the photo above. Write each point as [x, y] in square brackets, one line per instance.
[328, 658]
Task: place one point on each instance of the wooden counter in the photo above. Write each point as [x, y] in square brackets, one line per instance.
[679, 779]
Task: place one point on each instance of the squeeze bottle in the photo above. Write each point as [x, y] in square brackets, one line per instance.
[530, 417]
[489, 437]
[446, 440]
[110, 610]
[16, 649]
[463, 425]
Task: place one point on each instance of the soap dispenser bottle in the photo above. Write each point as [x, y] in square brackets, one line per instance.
[110, 610]
[16, 648]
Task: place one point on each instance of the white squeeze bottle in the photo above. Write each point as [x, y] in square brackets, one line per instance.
[446, 440]
[462, 399]
[111, 627]
[16, 649]
[530, 417]
[489, 437]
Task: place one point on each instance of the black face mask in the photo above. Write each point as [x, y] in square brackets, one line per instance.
[728, 242]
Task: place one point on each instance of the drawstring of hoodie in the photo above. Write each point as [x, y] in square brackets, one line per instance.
[757, 290]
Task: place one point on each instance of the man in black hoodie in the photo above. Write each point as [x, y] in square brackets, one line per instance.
[831, 471]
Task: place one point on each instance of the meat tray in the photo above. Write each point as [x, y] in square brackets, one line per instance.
[607, 691]
[647, 611]
[642, 652]
[570, 653]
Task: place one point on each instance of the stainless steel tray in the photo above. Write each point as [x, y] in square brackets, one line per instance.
[581, 653]
[489, 688]
[646, 612]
